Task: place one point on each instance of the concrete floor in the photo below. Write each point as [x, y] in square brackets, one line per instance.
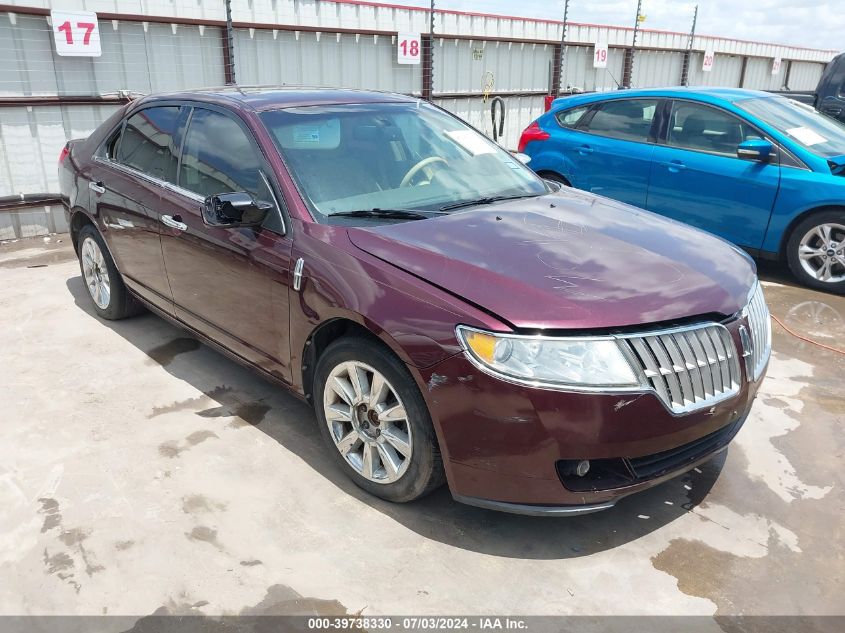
[141, 470]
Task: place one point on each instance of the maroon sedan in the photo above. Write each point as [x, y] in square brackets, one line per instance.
[449, 314]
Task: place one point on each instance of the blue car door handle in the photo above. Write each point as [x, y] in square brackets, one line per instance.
[674, 166]
[585, 149]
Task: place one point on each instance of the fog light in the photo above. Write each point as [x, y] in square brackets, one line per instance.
[582, 468]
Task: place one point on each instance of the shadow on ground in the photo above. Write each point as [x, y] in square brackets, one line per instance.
[236, 391]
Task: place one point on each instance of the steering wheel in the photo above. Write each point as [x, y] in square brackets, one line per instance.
[425, 163]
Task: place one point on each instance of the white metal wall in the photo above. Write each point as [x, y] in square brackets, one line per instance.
[322, 59]
[727, 70]
[657, 68]
[758, 75]
[804, 75]
[580, 74]
[463, 66]
[31, 139]
[142, 57]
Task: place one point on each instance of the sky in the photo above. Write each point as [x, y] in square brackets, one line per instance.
[798, 22]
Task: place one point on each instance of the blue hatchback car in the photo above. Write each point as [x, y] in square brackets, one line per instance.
[761, 170]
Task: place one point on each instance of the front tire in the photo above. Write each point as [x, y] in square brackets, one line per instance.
[815, 251]
[105, 286]
[375, 421]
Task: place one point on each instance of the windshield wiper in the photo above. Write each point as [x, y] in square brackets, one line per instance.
[397, 214]
[488, 200]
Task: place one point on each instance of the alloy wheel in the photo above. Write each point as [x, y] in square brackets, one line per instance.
[96, 273]
[821, 252]
[367, 422]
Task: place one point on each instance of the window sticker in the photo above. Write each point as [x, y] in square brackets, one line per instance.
[806, 136]
[471, 142]
[306, 134]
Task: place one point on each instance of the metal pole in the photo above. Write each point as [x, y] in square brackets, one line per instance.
[229, 50]
[629, 62]
[561, 73]
[688, 53]
[431, 52]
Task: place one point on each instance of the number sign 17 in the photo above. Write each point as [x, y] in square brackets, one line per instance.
[408, 48]
[76, 33]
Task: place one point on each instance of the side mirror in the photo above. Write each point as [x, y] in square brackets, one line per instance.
[522, 158]
[237, 208]
[756, 149]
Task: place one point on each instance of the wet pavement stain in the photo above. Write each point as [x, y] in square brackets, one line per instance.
[700, 569]
[251, 563]
[172, 448]
[166, 353]
[123, 545]
[279, 600]
[217, 393]
[195, 504]
[50, 510]
[204, 534]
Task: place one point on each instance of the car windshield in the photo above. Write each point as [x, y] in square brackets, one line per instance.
[803, 124]
[407, 156]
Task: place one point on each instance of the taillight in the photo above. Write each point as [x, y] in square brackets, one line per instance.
[532, 133]
[65, 151]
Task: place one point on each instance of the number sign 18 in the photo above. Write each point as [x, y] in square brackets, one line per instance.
[408, 48]
[76, 33]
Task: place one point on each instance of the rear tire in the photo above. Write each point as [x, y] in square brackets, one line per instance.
[815, 251]
[375, 421]
[108, 293]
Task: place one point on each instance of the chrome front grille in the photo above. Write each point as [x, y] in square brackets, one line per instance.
[760, 324]
[689, 368]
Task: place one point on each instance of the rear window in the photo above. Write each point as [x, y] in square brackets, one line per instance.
[626, 119]
[570, 118]
[147, 143]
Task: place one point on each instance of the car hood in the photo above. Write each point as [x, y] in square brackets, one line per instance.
[569, 260]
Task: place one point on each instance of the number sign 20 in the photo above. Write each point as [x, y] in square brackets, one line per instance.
[76, 33]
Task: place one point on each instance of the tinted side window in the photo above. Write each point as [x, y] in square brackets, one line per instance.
[570, 118]
[700, 127]
[148, 143]
[629, 120]
[218, 157]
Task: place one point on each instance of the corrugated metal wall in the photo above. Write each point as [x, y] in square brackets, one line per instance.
[474, 54]
[466, 66]
[579, 72]
[322, 59]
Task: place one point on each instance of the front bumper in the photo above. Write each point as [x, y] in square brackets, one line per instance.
[503, 444]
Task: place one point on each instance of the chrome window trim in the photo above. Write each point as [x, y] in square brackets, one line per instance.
[150, 179]
[630, 356]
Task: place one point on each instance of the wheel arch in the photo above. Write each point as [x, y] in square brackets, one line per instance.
[784, 239]
[325, 333]
[79, 219]
[543, 173]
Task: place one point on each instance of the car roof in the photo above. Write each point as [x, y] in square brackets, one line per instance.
[703, 93]
[274, 97]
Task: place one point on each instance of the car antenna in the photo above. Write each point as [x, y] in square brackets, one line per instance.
[618, 87]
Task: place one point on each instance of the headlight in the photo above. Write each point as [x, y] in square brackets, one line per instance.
[587, 362]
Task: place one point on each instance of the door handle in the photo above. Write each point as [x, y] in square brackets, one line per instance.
[97, 187]
[174, 222]
[585, 149]
[674, 166]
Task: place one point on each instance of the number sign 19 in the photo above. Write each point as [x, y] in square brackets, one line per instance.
[408, 48]
[76, 33]
[600, 55]
[707, 62]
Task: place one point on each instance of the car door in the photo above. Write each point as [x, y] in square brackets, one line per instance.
[126, 181]
[228, 283]
[697, 178]
[611, 149]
